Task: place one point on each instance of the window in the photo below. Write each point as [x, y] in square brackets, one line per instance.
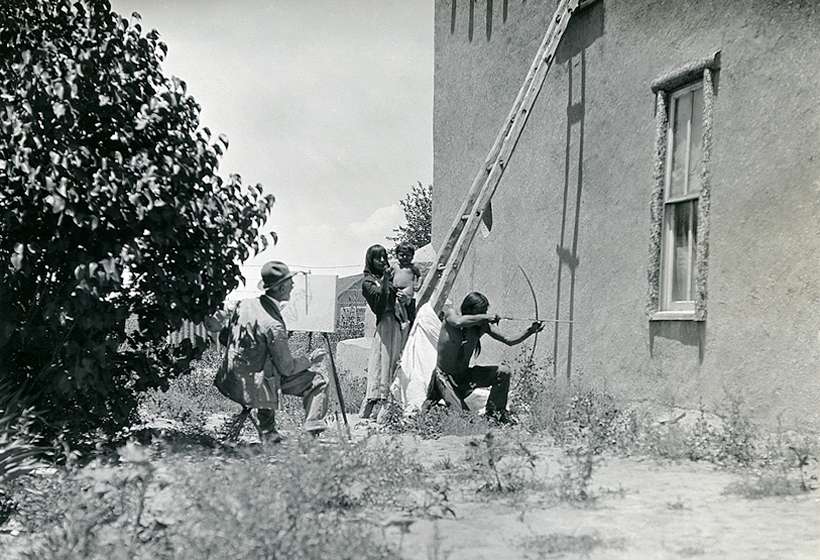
[681, 193]
[682, 185]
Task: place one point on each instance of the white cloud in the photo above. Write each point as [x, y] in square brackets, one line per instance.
[379, 223]
[335, 156]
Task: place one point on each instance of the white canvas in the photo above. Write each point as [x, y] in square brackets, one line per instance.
[312, 305]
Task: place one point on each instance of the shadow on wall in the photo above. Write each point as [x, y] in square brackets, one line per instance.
[584, 29]
[688, 333]
[488, 18]
[489, 15]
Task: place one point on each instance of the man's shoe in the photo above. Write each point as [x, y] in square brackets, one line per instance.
[272, 437]
[500, 417]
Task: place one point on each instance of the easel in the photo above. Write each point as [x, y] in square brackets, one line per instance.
[344, 434]
[337, 387]
[339, 398]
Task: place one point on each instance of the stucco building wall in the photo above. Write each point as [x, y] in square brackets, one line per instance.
[573, 206]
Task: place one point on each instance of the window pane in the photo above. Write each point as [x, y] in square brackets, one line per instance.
[696, 148]
[677, 165]
[681, 258]
[693, 248]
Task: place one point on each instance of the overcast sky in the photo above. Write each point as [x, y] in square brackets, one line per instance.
[327, 103]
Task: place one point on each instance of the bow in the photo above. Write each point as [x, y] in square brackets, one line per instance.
[535, 303]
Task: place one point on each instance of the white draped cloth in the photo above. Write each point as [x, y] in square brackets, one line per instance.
[418, 360]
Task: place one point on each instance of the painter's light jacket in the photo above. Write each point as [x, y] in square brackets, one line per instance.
[257, 354]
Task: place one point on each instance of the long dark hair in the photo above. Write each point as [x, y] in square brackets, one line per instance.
[374, 253]
[475, 303]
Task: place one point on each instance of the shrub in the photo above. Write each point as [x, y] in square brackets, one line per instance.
[302, 502]
[737, 437]
[112, 205]
[191, 398]
[569, 414]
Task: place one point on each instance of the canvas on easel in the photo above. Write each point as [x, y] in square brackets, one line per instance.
[312, 304]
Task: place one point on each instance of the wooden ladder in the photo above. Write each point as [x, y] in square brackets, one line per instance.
[440, 278]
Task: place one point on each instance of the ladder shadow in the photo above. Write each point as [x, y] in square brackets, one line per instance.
[587, 26]
[490, 16]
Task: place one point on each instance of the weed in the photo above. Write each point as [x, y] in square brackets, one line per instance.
[190, 398]
[737, 439]
[19, 453]
[592, 415]
[702, 440]
[441, 421]
[788, 478]
[664, 440]
[534, 395]
[302, 502]
[21, 449]
[103, 516]
[573, 483]
[569, 414]
[353, 390]
[503, 466]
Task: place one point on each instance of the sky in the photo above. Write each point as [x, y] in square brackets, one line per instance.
[327, 103]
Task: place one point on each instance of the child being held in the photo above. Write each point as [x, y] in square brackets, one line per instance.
[406, 280]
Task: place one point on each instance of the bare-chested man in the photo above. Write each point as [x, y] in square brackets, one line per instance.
[459, 340]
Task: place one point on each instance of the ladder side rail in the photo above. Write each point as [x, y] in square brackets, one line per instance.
[472, 224]
[468, 205]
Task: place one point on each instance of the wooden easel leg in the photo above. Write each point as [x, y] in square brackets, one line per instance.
[338, 386]
[236, 423]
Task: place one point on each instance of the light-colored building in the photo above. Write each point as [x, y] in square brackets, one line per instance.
[664, 195]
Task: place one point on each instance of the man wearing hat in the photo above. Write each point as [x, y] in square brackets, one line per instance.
[258, 359]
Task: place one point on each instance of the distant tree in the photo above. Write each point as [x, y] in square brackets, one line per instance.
[110, 206]
[418, 213]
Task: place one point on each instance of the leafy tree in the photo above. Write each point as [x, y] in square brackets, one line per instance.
[418, 213]
[111, 206]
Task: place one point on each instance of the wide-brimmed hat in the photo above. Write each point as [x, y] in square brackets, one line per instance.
[274, 273]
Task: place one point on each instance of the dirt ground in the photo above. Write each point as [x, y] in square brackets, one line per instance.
[641, 509]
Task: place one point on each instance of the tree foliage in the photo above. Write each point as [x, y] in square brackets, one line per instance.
[418, 213]
[111, 206]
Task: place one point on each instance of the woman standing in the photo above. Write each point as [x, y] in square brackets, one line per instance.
[388, 341]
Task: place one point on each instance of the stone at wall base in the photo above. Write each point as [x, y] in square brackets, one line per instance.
[352, 355]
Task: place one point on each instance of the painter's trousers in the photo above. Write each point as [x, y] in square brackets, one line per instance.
[312, 387]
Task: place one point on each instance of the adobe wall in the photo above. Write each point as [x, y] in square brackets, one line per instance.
[573, 206]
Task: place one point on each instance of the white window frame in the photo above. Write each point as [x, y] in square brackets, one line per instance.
[668, 226]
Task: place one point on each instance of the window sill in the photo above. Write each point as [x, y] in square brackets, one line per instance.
[673, 316]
